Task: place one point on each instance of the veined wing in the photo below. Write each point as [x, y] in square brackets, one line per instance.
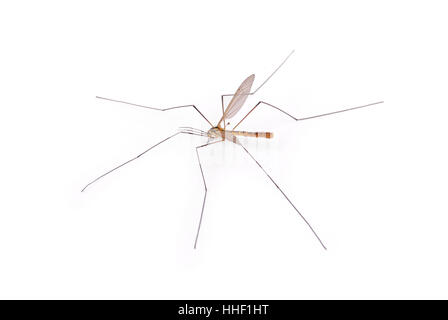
[239, 98]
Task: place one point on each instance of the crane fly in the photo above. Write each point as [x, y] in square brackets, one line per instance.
[219, 133]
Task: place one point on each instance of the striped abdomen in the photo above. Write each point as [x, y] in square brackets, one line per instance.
[267, 135]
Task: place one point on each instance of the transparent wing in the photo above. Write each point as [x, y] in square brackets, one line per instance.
[239, 98]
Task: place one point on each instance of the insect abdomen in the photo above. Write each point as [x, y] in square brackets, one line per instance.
[267, 135]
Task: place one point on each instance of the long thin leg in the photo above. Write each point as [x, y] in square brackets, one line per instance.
[117, 167]
[309, 225]
[272, 74]
[222, 105]
[268, 104]
[306, 118]
[339, 111]
[158, 109]
[205, 189]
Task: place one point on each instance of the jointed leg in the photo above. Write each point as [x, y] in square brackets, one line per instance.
[314, 232]
[306, 118]
[159, 109]
[205, 190]
[222, 105]
[268, 104]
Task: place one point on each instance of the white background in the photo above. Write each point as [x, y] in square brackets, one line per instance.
[372, 182]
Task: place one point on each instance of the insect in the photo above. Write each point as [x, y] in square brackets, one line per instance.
[219, 133]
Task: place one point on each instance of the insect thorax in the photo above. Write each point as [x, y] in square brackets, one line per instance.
[215, 132]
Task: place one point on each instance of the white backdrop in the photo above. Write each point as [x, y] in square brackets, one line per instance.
[372, 181]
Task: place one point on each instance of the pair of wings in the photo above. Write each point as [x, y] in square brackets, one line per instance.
[239, 98]
[237, 103]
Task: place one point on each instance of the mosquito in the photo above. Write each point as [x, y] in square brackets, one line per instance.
[219, 133]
